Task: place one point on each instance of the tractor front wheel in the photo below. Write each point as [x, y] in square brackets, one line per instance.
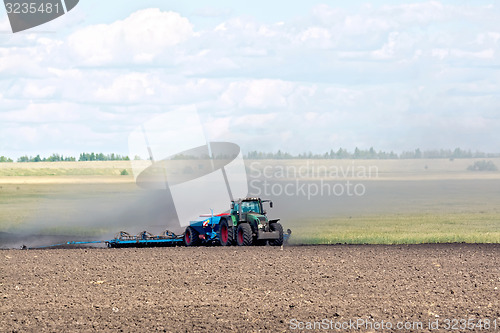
[225, 234]
[279, 228]
[191, 237]
[244, 235]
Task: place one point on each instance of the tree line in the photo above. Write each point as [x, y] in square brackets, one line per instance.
[373, 154]
[61, 158]
[254, 155]
[102, 157]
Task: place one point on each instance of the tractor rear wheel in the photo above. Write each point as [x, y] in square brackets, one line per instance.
[225, 234]
[244, 234]
[191, 237]
[279, 228]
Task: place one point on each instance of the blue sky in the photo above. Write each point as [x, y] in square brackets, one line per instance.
[296, 76]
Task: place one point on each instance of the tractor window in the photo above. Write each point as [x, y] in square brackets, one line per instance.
[250, 206]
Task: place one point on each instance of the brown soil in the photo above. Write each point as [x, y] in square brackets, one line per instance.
[246, 289]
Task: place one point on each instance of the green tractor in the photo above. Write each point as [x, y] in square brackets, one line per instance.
[247, 224]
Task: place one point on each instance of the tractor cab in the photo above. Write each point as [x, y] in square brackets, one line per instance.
[251, 207]
[248, 205]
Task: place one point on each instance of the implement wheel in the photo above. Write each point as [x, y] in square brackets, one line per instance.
[244, 234]
[191, 237]
[226, 234]
[276, 227]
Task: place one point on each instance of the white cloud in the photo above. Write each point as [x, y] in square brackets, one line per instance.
[483, 54]
[20, 62]
[45, 113]
[154, 88]
[4, 24]
[316, 36]
[132, 87]
[212, 12]
[140, 38]
[418, 13]
[66, 74]
[255, 120]
[360, 25]
[28, 135]
[257, 93]
[45, 139]
[458, 53]
[33, 90]
[488, 38]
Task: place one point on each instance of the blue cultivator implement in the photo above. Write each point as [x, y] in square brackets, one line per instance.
[124, 239]
[145, 239]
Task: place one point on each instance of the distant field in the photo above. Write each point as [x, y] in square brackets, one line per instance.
[400, 229]
[411, 169]
[306, 169]
[406, 201]
[58, 169]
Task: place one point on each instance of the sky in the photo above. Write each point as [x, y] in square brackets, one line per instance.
[296, 76]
